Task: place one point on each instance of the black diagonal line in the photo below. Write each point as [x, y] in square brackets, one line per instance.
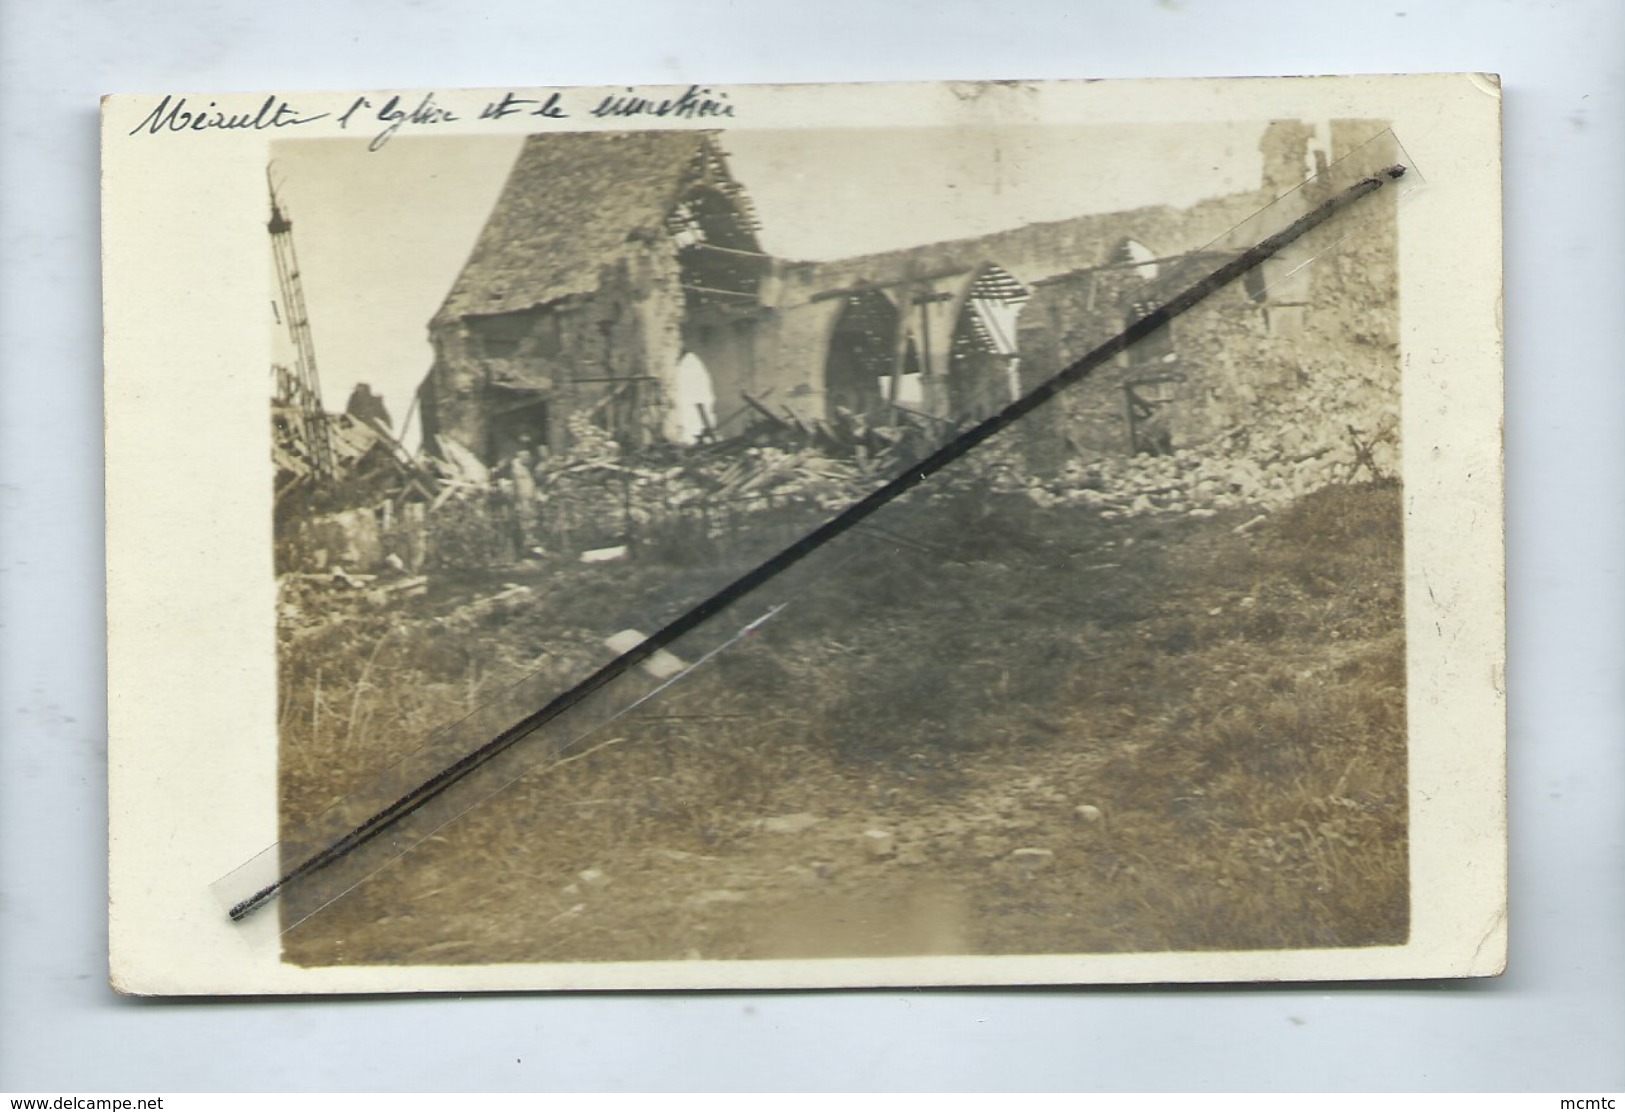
[965, 442]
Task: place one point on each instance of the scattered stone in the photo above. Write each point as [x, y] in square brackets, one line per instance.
[464, 463]
[879, 843]
[593, 878]
[1088, 812]
[1251, 524]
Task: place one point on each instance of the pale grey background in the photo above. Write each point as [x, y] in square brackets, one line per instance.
[1555, 1022]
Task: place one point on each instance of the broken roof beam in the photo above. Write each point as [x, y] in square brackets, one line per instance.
[762, 409]
[707, 291]
[702, 245]
[1189, 257]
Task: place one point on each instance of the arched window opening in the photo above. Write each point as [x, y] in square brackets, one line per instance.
[983, 363]
[859, 366]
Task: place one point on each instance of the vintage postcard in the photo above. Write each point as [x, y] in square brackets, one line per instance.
[805, 536]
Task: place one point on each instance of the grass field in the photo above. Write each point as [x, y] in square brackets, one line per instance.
[1001, 729]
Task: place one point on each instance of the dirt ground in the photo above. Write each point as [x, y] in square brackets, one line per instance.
[982, 728]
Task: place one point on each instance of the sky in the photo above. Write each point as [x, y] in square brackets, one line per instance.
[381, 236]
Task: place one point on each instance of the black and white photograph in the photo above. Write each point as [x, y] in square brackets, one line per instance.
[845, 547]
